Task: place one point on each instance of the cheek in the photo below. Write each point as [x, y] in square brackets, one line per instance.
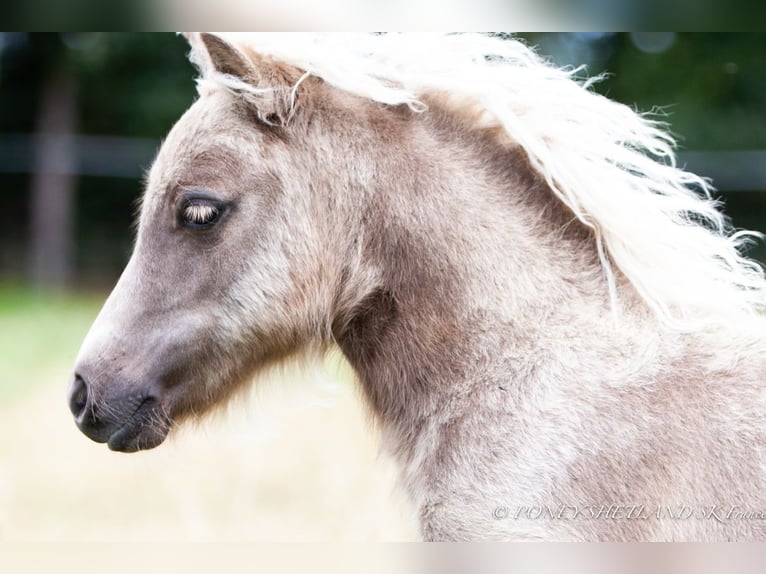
[256, 306]
[266, 253]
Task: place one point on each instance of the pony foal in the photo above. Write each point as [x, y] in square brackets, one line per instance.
[551, 322]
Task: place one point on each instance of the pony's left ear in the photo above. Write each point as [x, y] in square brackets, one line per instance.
[270, 86]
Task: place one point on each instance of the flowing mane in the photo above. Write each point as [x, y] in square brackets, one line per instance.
[653, 222]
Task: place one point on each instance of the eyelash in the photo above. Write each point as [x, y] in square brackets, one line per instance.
[199, 214]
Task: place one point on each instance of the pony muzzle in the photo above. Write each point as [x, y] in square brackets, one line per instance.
[129, 423]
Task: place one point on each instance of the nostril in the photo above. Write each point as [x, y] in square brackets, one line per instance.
[78, 396]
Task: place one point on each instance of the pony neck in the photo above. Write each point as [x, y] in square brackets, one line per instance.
[480, 270]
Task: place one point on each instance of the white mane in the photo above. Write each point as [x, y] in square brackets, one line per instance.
[615, 169]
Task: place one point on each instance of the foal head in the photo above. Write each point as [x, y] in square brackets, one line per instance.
[233, 263]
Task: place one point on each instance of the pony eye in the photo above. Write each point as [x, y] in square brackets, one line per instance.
[200, 214]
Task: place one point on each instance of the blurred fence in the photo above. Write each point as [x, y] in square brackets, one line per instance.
[129, 157]
[106, 156]
[742, 170]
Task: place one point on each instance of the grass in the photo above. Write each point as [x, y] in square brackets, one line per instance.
[39, 331]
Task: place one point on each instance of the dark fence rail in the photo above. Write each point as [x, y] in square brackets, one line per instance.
[107, 156]
[125, 157]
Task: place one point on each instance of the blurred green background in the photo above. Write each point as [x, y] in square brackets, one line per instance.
[81, 115]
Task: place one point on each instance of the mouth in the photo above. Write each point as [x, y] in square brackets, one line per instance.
[146, 428]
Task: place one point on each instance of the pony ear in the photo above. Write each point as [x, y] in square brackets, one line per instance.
[224, 57]
[270, 86]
